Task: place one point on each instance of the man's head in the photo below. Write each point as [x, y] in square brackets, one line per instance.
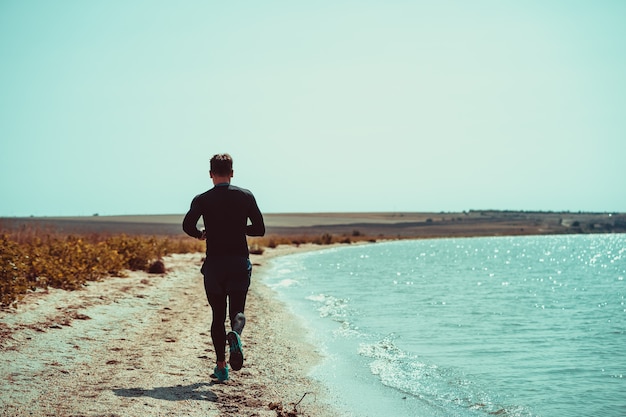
[221, 166]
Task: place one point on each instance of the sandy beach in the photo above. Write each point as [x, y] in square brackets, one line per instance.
[140, 346]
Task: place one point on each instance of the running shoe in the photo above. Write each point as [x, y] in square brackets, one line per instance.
[236, 353]
[221, 374]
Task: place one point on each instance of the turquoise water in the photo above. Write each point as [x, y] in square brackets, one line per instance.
[509, 326]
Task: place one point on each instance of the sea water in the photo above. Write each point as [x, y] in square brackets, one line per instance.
[508, 326]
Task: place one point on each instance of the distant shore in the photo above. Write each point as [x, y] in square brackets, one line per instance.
[383, 225]
[388, 225]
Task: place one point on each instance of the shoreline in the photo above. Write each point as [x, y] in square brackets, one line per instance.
[292, 351]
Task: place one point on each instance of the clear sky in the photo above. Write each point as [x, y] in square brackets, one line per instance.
[115, 107]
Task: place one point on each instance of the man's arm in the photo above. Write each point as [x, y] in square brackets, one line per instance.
[257, 225]
[190, 222]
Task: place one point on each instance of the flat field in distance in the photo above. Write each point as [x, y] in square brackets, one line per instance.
[404, 225]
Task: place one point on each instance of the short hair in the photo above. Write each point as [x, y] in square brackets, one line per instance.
[222, 164]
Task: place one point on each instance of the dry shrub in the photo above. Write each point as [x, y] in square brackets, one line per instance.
[12, 264]
[157, 267]
[256, 249]
[136, 251]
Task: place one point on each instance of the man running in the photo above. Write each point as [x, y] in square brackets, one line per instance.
[225, 210]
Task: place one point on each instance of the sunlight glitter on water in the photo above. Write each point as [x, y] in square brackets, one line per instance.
[519, 324]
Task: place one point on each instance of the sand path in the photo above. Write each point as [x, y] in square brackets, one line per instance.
[140, 346]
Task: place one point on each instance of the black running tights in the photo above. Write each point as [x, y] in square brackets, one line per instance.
[236, 304]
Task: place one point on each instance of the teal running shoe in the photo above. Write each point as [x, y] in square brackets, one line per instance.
[221, 373]
[236, 352]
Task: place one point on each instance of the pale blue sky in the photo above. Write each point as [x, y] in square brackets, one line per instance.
[115, 107]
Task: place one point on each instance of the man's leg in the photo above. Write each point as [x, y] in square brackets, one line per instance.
[237, 294]
[218, 332]
[236, 307]
[237, 304]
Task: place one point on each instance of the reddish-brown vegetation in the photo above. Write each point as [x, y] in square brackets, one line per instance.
[31, 260]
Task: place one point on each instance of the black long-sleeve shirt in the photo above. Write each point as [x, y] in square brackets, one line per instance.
[225, 210]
